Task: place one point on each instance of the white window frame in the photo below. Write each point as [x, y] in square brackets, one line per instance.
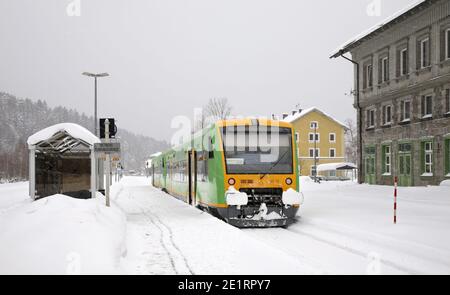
[403, 110]
[387, 120]
[317, 137]
[387, 167]
[329, 153]
[422, 59]
[334, 136]
[425, 114]
[311, 125]
[403, 71]
[384, 69]
[447, 48]
[369, 123]
[428, 152]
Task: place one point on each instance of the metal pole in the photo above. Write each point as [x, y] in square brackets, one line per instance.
[95, 108]
[108, 164]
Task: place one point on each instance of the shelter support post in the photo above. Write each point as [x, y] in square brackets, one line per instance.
[32, 171]
[93, 173]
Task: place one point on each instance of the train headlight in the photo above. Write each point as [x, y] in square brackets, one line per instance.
[288, 181]
[231, 181]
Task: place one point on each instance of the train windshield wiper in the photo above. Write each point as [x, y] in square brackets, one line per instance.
[275, 164]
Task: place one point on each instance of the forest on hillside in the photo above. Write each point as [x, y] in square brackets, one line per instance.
[20, 118]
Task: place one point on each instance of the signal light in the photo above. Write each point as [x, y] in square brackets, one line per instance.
[288, 181]
[231, 181]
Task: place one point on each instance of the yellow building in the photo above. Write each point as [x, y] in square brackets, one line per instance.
[310, 124]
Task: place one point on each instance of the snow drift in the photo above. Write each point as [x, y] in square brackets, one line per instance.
[62, 235]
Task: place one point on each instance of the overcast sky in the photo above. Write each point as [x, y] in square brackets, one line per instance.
[166, 57]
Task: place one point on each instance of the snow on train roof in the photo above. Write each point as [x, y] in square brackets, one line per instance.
[346, 46]
[72, 129]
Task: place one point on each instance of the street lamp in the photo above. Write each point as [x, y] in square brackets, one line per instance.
[95, 76]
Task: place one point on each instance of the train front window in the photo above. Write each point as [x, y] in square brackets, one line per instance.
[258, 150]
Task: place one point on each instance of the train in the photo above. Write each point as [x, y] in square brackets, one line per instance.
[243, 171]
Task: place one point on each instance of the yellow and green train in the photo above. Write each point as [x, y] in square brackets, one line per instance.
[243, 171]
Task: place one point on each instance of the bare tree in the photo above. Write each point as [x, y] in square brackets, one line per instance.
[218, 109]
[351, 142]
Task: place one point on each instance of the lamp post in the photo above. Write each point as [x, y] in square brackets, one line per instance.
[95, 76]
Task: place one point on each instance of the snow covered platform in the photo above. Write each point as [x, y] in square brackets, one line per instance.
[342, 228]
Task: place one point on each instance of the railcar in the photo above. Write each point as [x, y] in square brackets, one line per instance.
[244, 171]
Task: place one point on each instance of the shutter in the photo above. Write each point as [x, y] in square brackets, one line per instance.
[388, 69]
[418, 54]
[398, 67]
[442, 47]
[364, 77]
[424, 101]
[380, 69]
[407, 60]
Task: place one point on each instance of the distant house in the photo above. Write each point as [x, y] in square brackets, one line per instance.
[319, 137]
[404, 98]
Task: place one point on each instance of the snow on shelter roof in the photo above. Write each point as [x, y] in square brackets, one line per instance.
[353, 42]
[74, 130]
[335, 166]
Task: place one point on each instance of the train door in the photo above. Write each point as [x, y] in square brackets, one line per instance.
[192, 156]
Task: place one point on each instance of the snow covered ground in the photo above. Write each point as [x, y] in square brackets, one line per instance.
[342, 228]
[345, 228]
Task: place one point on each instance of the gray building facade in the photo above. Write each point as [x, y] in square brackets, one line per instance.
[404, 96]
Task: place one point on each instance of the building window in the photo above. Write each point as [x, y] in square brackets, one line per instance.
[384, 62]
[314, 125]
[425, 53]
[404, 62]
[427, 152]
[332, 153]
[370, 118]
[311, 137]
[427, 106]
[297, 137]
[332, 137]
[405, 110]
[447, 101]
[387, 115]
[369, 76]
[311, 153]
[387, 160]
[447, 44]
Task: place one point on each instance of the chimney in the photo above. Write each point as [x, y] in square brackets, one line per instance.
[285, 115]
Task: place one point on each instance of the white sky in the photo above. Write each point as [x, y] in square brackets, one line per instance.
[166, 57]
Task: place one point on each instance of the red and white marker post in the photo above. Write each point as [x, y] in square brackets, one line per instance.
[395, 199]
